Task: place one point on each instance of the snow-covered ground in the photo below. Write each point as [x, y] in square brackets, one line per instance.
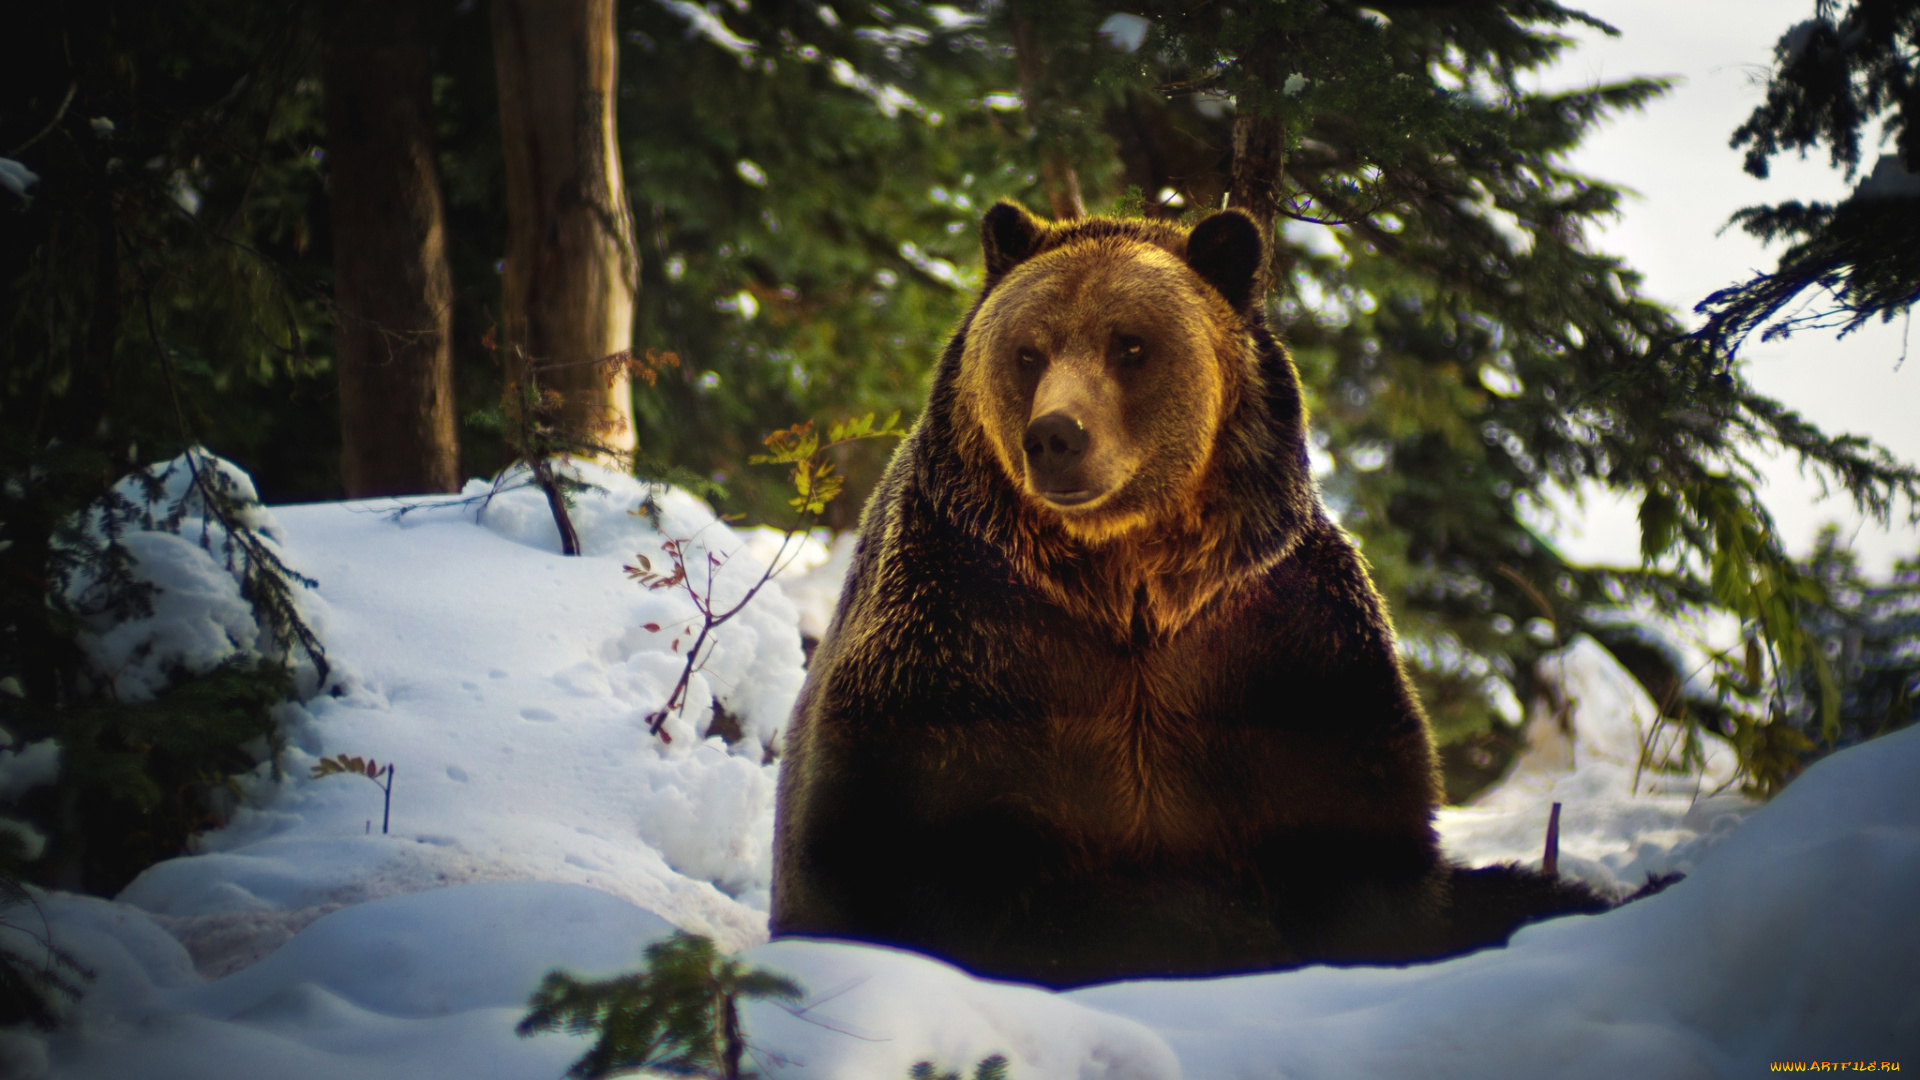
[536, 823]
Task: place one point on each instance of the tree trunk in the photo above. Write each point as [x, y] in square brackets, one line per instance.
[1259, 176]
[1062, 184]
[571, 267]
[732, 1045]
[392, 290]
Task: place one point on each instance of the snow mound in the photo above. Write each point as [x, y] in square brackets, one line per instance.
[1792, 940]
[199, 618]
[874, 1012]
[422, 986]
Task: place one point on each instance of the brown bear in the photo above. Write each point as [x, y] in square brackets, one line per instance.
[1107, 694]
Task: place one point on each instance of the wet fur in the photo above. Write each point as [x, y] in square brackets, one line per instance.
[1176, 740]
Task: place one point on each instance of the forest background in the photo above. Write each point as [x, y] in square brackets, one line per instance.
[339, 242]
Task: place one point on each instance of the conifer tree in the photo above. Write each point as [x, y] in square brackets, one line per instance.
[1870, 633]
[571, 266]
[392, 288]
[1835, 76]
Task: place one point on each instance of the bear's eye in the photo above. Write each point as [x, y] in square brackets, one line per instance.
[1132, 349]
[1027, 357]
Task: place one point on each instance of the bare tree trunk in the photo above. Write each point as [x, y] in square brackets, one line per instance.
[1259, 176]
[571, 268]
[1056, 170]
[392, 289]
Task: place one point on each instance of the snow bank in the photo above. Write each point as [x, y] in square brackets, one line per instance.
[1793, 940]
[431, 985]
[755, 668]
[875, 1012]
[509, 686]
[421, 986]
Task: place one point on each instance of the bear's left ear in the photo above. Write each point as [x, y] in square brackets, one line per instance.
[1009, 235]
[1229, 252]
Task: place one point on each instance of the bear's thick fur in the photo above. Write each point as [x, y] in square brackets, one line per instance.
[1107, 694]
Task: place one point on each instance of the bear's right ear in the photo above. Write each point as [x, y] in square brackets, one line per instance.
[1228, 251]
[1009, 234]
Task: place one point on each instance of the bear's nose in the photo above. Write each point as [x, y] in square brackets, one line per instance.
[1055, 443]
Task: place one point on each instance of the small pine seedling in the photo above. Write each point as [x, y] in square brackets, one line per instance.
[679, 1015]
[989, 1068]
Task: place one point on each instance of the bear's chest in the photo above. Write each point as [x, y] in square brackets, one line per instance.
[1161, 750]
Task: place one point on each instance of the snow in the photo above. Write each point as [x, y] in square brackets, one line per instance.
[537, 824]
[17, 178]
[199, 618]
[705, 24]
[509, 686]
[816, 566]
[424, 985]
[1793, 941]
[1125, 32]
[27, 768]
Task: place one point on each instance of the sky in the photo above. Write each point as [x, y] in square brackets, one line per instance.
[1688, 181]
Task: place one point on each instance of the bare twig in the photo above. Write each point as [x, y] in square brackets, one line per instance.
[817, 483]
[1550, 859]
[58, 115]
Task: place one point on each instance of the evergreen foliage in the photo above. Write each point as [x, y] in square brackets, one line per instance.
[532, 424]
[993, 1067]
[1835, 76]
[137, 781]
[1869, 633]
[153, 296]
[36, 976]
[679, 1015]
[807, 217]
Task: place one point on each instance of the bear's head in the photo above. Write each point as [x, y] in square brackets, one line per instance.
[1104, 359]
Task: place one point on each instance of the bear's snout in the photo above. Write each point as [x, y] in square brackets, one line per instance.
[1056, 444]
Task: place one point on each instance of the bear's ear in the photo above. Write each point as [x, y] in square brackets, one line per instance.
[1229, 252]
[1009, 234]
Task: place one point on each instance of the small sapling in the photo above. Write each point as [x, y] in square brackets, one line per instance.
[368, 768]
[680, 1014]
[817, 483]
